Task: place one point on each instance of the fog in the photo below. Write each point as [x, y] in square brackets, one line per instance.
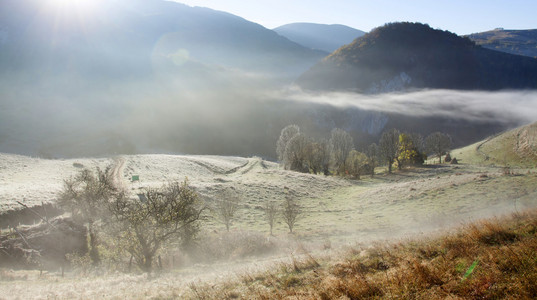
[231, 113]
[509, 107]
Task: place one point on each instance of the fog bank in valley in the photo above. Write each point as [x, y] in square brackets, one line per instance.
[244, 117]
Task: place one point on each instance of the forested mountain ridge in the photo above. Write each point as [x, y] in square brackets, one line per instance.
[398, 56]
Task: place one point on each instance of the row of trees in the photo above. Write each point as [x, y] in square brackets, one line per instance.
[160, 216]
[288, 209]
[338, 155]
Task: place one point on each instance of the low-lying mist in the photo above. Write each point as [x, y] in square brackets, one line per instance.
[70, 117]
[508, 107]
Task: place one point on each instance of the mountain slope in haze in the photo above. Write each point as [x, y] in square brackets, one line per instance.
[319, 36]
[412, 55]
[116, 76]
[520, 42]
[121, 38]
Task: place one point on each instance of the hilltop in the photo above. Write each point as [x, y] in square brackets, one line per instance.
[319, 36]
[401, 56]
[519, 42]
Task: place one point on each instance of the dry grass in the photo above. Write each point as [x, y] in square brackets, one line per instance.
[503, 251]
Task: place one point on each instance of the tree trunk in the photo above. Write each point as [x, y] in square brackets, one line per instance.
[93, 251]
[147, 266]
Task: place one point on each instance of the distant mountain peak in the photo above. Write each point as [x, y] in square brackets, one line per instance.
[319, 36]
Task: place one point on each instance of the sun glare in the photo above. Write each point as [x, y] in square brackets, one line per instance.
[79, 5]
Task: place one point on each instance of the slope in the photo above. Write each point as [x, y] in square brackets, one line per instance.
[124, 39]
[519, 42]
[517, 147]
[399, 56]
[324, 37]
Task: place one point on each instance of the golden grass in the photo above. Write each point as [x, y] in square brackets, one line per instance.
[502, 251]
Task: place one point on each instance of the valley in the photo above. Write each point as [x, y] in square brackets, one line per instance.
[338, 212]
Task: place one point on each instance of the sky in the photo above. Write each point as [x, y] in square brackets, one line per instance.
[458, 16]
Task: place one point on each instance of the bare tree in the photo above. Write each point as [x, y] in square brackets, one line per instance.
[373, 157]
[226, 207]
[296, 153]
[341, 144]
[389, 147]
[291, 210]
[86, 196]
[417, 141]
[286, 135]
[318, 157]
[145, 225]
[438, 143]
[356, 164]
[271, 213]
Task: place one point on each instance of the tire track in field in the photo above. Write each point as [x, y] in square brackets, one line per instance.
[117, 171]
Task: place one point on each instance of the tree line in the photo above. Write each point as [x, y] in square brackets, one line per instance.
[338, 156]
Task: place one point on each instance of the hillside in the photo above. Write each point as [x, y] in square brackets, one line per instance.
[92, 78]
[127, 39]
[401, 56]
[519, 42]
[516, 148]
[337, 213]
[324, 37]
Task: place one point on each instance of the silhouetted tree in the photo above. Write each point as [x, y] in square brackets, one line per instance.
[356, 164]
[438, 144]
[318, 157]
[291, 210]
[226, 207]
[373, 156]
[271, 213]
[389, 147]
[86, 197]
[341, 144]
[146, 225]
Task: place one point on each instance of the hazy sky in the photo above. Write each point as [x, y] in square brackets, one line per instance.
[459, 16]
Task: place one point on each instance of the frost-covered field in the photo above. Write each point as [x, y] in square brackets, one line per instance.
[337, 211]
[34, 180]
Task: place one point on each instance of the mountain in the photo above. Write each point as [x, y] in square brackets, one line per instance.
[126, 38]
[399, 56]
[319, 36]
[127, 76]
[520, 42]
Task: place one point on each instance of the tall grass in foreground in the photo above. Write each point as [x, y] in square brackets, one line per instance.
[492, 259]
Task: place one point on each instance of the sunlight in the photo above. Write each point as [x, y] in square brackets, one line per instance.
[79, 5]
